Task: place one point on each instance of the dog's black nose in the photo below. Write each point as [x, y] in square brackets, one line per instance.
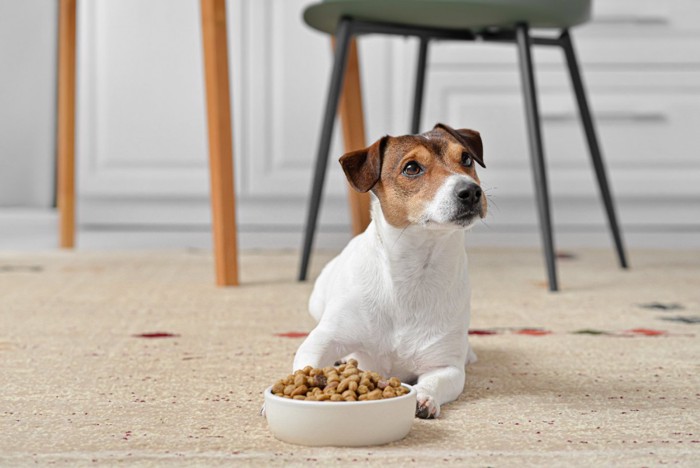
[468, 193]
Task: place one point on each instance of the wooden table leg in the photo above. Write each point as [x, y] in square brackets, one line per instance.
[220, 141]
[352, 117]
[65, 138]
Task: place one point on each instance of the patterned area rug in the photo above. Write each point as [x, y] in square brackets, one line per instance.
[138, 358]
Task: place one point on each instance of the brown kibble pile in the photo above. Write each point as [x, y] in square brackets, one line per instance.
[343, 383]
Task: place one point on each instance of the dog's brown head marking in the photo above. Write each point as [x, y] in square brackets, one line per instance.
[411, 176]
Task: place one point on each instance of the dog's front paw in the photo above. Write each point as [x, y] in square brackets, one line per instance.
[426, 407]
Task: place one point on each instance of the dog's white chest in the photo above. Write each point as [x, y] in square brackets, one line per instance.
[414, 310]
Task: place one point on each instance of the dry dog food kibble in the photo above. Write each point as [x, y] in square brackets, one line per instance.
[343, 383]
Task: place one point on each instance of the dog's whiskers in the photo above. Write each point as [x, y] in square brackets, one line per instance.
[485, 224]
[492, 202]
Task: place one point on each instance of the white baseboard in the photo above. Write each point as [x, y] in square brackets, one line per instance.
[36, 229]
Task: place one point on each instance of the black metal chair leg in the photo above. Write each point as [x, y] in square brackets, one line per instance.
[596, 156]
[420, 85]
[536, 151]
[343, 36]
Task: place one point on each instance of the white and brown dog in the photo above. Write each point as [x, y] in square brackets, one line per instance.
[397, 298]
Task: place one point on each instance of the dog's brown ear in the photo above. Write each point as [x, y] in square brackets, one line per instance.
[469, 138]
[363, 167]
[474, 139]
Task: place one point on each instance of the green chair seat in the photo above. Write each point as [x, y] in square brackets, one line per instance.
[474, 15]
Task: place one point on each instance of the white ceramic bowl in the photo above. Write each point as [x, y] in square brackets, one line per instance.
[349, 424]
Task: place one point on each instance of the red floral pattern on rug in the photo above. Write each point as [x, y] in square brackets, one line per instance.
[292, 334]
[156, 335]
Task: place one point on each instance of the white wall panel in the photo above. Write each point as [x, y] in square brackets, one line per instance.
[142, 127]
[142, 134]
[27, 102]
[140, 100]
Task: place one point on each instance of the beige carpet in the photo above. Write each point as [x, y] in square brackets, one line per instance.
[77, 387]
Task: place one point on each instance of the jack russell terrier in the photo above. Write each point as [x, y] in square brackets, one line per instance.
[397, 298]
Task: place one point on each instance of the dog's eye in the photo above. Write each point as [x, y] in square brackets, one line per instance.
[412, 169]
[467, 160]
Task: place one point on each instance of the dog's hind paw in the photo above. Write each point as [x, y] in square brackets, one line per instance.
[426, 407]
